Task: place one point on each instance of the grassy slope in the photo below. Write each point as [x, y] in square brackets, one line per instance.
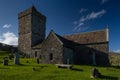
[50, 72]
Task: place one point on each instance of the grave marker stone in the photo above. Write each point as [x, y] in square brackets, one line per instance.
[5, 61]
[16, 59]
[38, 61]
[95, 73]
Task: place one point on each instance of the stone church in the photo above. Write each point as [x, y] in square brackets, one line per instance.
[83, 48]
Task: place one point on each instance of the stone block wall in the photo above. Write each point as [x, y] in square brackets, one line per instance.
[68, 56]
[54, 47]
[24, 30]
[31, 29]
[84, 54]
[38, 28]
[103, 47]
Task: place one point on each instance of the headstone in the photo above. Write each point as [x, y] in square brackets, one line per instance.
[5, 61]
[27, 61]
[95, 73]
[38, 61]
[11, 56]
[16, 59]
[33, 68]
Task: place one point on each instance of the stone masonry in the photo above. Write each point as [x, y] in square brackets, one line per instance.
[31, 29]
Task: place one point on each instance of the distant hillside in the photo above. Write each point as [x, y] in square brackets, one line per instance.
[10, 48]
[114, 58]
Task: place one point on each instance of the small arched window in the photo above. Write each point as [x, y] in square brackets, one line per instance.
[51, 56]
[35, 53]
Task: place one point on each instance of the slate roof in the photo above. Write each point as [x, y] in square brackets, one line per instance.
[88, 37]
[66, 42]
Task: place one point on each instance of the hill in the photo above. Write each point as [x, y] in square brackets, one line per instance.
[10, 48]
[114, 58]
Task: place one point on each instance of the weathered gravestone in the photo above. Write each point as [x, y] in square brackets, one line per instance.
[33, 68]
[95, 73]
[11, 56]
[27, 61]
[37, 60]
[5, 61]
[16, 59]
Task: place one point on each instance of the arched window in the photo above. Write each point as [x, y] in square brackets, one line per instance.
[35, 53]
[51, 56]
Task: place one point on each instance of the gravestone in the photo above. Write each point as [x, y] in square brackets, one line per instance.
[37, 60]
[16, 59]
[11, 56]
[27, 61]
[95, 73]
[5, 61]
[33, 68]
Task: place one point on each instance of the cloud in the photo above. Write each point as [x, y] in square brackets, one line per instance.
[104, 1]
[80, 24]
[83, 10]
[7, 26]
[117, 51]
[92, 15]
[9, 38]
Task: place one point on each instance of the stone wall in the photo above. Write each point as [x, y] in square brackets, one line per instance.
[84, 54]
[36, 53]
[31, 29]
[24, 41]
[52, 46]
[38, 29]
[36, 50]
[68, 56]
[103, 47]
[91, 42]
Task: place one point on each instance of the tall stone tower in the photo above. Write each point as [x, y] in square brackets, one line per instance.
[31, 29]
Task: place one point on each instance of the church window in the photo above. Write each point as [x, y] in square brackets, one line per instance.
[51, 56]
[35, 53]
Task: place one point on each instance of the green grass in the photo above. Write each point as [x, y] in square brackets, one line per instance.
[25, 71]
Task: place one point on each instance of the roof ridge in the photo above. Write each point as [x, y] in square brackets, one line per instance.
[84, 32]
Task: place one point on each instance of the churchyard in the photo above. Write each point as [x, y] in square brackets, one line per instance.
[28, 69]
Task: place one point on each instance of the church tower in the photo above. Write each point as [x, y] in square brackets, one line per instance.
[31, 29]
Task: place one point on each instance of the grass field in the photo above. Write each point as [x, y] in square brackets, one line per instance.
[25, 71]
